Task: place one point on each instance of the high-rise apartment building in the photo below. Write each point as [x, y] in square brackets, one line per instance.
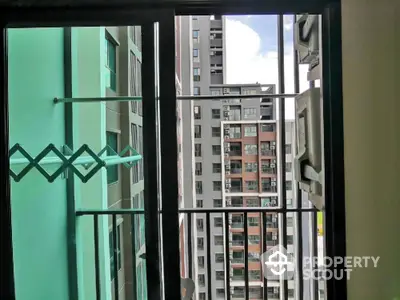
[231, 158]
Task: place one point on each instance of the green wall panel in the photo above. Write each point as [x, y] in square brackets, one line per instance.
[36, 76]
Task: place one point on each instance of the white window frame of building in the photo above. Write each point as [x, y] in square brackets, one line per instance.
[253, 221]
[200, 243]
[196, 91]
[250, 149]
[197, 150]
[197, 112]
[217, 202]
[198, 168]
[254, 239]
[267, 127]
[216, 168]
[200, 224]
[235, 132]
[218, 222]
[251, 185]
[250, 167]
[218, 240]
[216, 113]
[196, 35]
[196, 74]
[250, 113]
[218, 258]
[201, 279]
[196, 55]
[200, 261]
[217, 186]
[199, 187]
[199, 203]
[219, 275]
[250, 130]
[197, 131]
[215, 151]
[220, 292]
[216, 131]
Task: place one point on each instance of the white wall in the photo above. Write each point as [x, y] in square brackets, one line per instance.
[371, 81]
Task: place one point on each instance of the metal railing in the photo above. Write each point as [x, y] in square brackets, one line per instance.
[127, 218]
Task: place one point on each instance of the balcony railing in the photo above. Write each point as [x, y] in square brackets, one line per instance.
[131, 235]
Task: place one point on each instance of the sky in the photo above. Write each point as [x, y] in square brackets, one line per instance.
[252, 53]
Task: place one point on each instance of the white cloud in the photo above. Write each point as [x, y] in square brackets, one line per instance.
[246, 63]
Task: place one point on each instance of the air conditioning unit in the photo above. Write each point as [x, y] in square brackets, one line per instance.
[273, 179]
[228, 167]
[226, 90]
[274, 237]
[273, 143]
[226, 155]
[227, 172]
[227, 190]
[228, 180]
[272, 165]
[226, 130]
[227, 149]
[306, 38]
[272, 147]
[226, 118]
[226, 113]
[273, 183]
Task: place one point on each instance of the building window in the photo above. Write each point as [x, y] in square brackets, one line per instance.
[290, 239]
[220, 291]
[200, 243]
[254, 239]
[269, 202]
[117, 248]
[216, 131]
[289, 221]
[196, 35]
[218, 222]
[199, 187]
[288, 149]
[217, 202]
[217, 186]
[289, 202]
[250, 92]
[215, 92]
[196, 74]
[216, 167]
[254, 256]
[196, 57]
[112, 142]
[238, 274]
[197, 112]
[250, 113]
[251, 167]
[219, 275]
[288, 166]
[197, 150]
[216, 149]
[250, 149]
[288, 185]
[196, 91]
[111, 65]
[216, 113]
[219, 257]
[253, 221]
[254, 274]
[237, 202]
[201, 279]
[199, 203]
[250, 130]
[235, 131]
[252, 202]
[200, 261]
[218, 240]
[238, 256]
[252, 185]
[202, 296]
[199, 168]
[200, 224]
[267, 127]
[197, 131]
[236, 185]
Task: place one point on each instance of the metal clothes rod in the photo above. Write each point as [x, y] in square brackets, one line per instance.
[108, 160]
[202, 97]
